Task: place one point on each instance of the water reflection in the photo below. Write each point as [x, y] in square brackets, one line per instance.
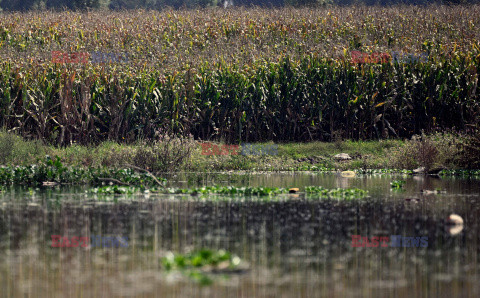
[296, 247]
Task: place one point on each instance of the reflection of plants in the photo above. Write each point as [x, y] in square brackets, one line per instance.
[397, 184]
[198, 265]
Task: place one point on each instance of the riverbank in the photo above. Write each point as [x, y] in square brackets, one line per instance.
[185, 154]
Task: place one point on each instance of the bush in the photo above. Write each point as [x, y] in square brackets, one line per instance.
[437, 150]
[470, 151]
[426, 152]
[15, 150]
[448, 152]
[166, 154]
[404, 157]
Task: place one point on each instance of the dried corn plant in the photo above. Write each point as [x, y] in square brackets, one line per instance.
[240, 75]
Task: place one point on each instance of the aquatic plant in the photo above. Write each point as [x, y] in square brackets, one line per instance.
[460, 173]
[230, 190]
[336, 193]
[397, 184]
[52, 170]
[199, 264]
[383, 171]
[115, 189]
[315, 168]
[221, 190]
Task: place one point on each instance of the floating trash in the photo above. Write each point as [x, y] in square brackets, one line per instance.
[347, 174]
[293, 190]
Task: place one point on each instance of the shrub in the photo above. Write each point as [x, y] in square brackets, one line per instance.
[426, 152]
[145, 158]
[440, 149]
[470, 151]
[404, 157]
[448, 151]
[166, 154]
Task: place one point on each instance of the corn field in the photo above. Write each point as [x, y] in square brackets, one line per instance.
[240, 75]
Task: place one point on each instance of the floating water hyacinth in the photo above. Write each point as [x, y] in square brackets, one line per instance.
[269, 192]
[336, 193]
[200, 265]
[397, 184]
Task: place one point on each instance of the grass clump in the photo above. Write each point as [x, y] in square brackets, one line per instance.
[168, 153]
[199, 264]
[397, 184]
[428, 151]
[15, 150]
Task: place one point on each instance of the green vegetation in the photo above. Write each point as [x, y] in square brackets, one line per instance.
[337, 193]
[115, 190]
[311, 191]
[11, 5]
[383, 171]
[198, 265]
[244, 75]
[52, 171]
[223, 190]
[164, 155]
[108, 160]
[397, 184]
[231, 190]
[236, 76]
[461, 173]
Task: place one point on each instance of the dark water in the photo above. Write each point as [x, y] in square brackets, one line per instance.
[295, 246]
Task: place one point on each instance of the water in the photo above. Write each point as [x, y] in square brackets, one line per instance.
[294, 246]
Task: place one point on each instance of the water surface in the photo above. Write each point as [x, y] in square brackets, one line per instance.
[295, 246]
